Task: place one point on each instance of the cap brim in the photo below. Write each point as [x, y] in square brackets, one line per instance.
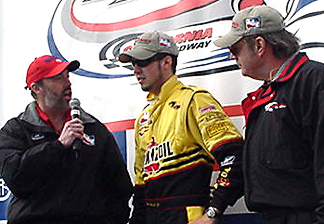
[74, 65]
[227, 40]
[136, 53]
[70, 66]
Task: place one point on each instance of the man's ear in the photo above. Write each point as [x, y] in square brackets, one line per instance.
[34, 87]
[260, 45]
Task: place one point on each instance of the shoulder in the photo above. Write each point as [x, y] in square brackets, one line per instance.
[312, 72]
[313, 65]
[192, 89]
[12, 126]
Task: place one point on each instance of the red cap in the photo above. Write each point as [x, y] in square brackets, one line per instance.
[48, 66]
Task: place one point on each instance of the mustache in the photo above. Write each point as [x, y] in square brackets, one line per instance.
[67, 89]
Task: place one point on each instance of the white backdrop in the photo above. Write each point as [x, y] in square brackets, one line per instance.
[24, 36]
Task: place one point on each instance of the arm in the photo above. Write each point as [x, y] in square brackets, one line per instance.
[29, 158]
[119, 183]
[139, 205]
[220, 138]
[138, 215]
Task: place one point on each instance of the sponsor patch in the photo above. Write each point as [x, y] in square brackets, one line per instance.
[206, 109]
[37, 136]
[152, 168]
[142, 41]
[145, 119]
[252, 23]
[89, 139]
[4, 191]
[215, 116]
[217, 128]
[228, 161]
[174, 105]
[164, 43]
[270, 107]
[234, 24]
[222, 179]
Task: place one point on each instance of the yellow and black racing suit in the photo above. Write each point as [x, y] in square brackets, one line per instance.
[179, 135]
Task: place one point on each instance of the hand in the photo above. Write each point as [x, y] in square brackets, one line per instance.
[72, 129]
[205, 220]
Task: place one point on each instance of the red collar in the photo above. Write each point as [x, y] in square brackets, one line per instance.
[265, 93]
[48, 121]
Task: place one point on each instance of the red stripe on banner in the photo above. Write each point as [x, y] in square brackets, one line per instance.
[120, 125]
[232, 111]
[164, 13]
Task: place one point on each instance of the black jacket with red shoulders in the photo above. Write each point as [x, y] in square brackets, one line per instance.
[284, 147]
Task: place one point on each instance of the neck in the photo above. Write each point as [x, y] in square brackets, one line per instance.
[56, 115]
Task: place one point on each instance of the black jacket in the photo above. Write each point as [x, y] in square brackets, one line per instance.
[284, 147]
[51, 185]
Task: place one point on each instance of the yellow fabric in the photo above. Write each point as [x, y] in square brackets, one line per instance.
[194, 212]
[173, 125]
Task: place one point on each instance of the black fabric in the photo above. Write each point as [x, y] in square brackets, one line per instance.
[288, 218]
[283, 153]
[50, 184]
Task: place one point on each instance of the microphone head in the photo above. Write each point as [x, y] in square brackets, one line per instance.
[74, 103]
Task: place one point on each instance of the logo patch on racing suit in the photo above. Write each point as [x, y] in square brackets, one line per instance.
[155, 153]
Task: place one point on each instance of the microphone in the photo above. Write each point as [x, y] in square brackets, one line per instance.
[75, 113]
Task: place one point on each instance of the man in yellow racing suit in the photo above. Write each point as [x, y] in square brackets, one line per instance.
[179, 136]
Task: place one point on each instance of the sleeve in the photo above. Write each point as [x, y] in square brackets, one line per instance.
[139, 205]
[120, 184]
[24, 166]
[222, 140]
[318, 157]
[313, 126]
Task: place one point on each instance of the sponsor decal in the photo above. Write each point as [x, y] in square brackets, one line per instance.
[207, 109]
[4, 191]
[270, 107]
[142, 41]
[153, 204]
[234, 24]
[151, 168]
[215, 116]
[215, 129]
[164, 43]
[37, 136]
[89, 139]
[174, 105]
[228, 161]
[222, 179]
[145, 119]
[155, 153]
[252, 23]
[142, 130]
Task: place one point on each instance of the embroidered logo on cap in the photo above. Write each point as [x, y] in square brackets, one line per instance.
[165, 43]
[251, 23]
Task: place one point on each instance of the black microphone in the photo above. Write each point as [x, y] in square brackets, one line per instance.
[75, 113]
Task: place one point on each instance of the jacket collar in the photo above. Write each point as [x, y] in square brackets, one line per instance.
[267, 92]
[31, 115]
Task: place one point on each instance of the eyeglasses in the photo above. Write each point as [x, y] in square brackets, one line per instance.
[146, 62]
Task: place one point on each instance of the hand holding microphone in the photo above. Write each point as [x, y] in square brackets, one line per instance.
[75, 113]
[72, 132]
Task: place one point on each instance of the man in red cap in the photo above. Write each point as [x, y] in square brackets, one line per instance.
[50, 184]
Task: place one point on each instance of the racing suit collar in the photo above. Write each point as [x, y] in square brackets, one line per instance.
[166, 90]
